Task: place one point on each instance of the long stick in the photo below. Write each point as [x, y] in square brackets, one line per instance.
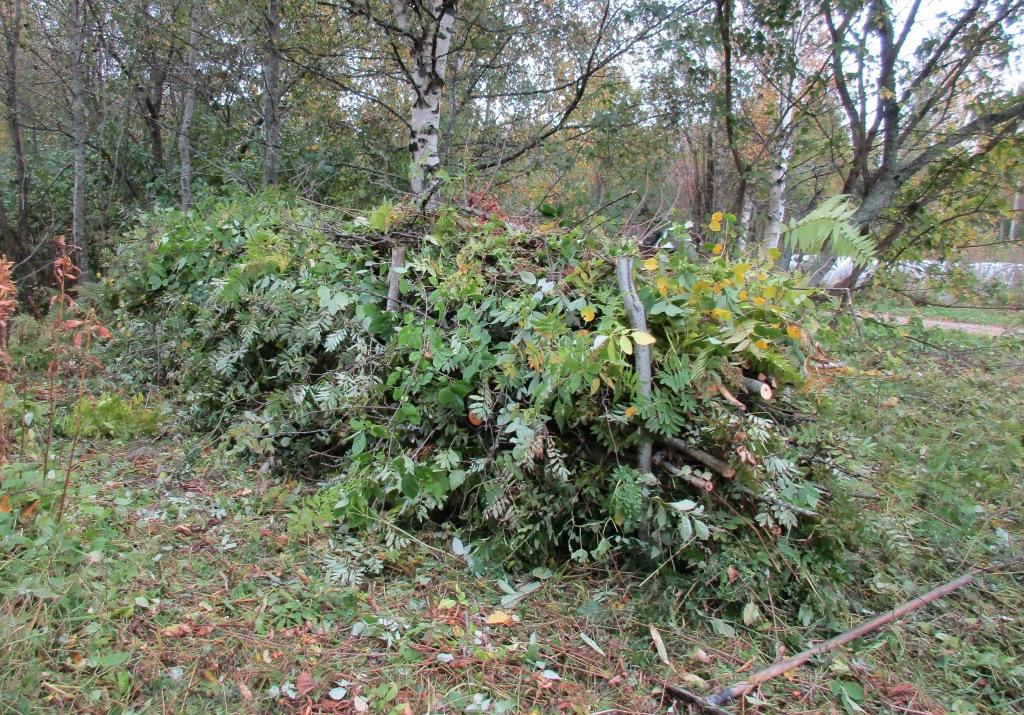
[641, 353]
[711, 703]
[394, 277]
[713, 463]
[692, 480]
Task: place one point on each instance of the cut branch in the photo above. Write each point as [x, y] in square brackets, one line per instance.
[694, 481]
[641, 353]
[715, 464]
[757, 387]
[394, 277]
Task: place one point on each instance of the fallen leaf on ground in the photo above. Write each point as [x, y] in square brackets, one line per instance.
[659, 645]
[178, 630]
[304, 683]
[501, 618]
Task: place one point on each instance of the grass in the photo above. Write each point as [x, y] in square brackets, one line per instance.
[880, 303]
[184, 583]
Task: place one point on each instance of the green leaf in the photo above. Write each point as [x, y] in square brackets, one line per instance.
[410, 485]
[722, 628]
[111, 659]
[359, 443]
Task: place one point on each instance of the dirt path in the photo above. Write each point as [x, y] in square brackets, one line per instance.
[973, 328]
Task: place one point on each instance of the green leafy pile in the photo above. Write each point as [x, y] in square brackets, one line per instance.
[500, 397]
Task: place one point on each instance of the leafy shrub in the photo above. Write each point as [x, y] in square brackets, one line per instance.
[111, 416]
[501, 397]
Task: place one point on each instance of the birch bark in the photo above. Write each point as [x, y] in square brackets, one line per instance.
[78, 132]
[188, 107]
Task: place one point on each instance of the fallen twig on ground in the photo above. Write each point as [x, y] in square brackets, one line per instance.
[711, 703]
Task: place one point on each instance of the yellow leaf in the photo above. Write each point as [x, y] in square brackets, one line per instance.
[588, 313]
[642, 338]
[715, 225]
[500, 618]
[178, 630]
[595, 385]
[659, 646]
[651, 264]
[717, 250]
[630, 411]
[625, 345]
[662, 284]
[721, 314]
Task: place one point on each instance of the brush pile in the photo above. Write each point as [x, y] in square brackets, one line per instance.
[506, 392]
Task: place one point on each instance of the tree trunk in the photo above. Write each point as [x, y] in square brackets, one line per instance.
[78, 132]
[1018, 208]
[271, 98]
[430, 59]
[154, 107]
[641, 353]
[12, 33]
[777, 191]
[189, 105]
[6, 235]
[746, 215]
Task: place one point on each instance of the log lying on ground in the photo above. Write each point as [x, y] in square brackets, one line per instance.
[757, 387]
[691, 479]
[715, 464]
[711, 703]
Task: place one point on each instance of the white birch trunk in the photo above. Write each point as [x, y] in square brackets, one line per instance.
[78, 132]
[189, 105]
[1018, 208]
[430, 60]
[746, 215]
[780, 172]
[641, 353]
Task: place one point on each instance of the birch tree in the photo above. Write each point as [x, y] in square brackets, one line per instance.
[189, 104]
[78, 129]
[426, 28]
